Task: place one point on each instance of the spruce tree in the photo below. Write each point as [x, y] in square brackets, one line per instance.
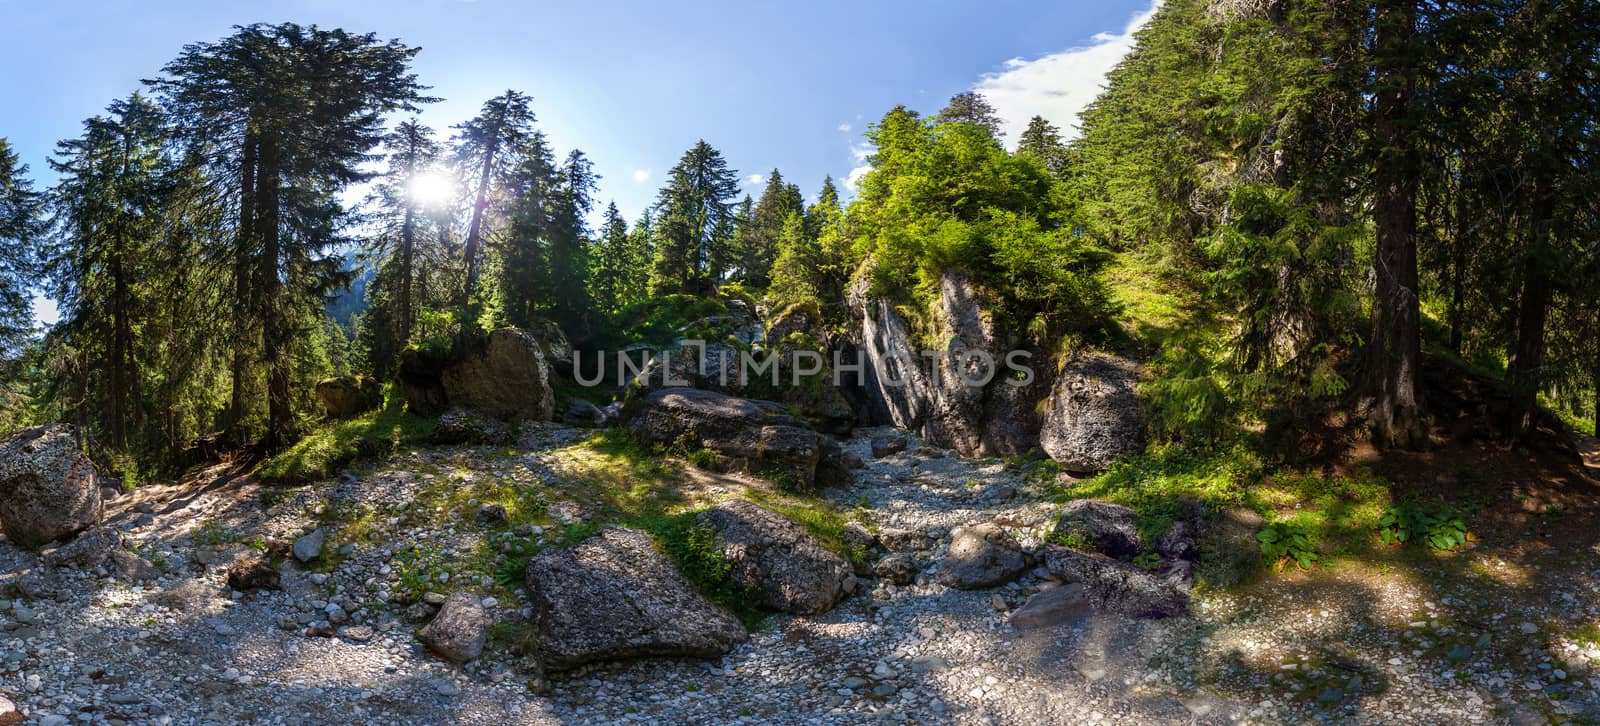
[695, 224]
[20, 227]
[491, 151]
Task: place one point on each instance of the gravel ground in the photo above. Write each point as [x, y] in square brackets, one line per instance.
[337, 646]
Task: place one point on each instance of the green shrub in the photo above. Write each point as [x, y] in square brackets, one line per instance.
[1442, 528]
[1283, 542]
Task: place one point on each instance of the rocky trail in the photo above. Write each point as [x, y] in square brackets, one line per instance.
[91, 636]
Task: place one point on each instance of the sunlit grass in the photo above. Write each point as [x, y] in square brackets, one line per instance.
[337, 443]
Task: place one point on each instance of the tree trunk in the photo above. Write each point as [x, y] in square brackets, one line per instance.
[1395, 351]
[1523, 367]
[274, 319]
[475, 228]
[1458, 272]
[119, 348]
[407, 262]
[245, 242]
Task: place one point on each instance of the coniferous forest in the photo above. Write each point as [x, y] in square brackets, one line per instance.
[1308, 296]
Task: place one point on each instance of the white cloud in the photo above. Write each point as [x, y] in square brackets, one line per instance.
[641, 176]
[858, 153]
[844, 128]
[1060, 85]
[757, 179]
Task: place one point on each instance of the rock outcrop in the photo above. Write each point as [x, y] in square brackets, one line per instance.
[981, 556]
[966, 399]
[346, 396]
[1093, 417]
[48, 488]
[1115, 586]
[744, 434]
[616, 596]
[771, 555]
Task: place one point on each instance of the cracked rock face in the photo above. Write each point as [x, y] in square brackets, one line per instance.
[771, 555]
[48, 488]
[616, 596]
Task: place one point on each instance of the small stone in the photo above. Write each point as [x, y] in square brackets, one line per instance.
[309, 547]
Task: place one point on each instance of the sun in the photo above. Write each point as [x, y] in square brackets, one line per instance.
[432, 188]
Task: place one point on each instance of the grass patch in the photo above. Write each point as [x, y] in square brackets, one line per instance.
[337, 443]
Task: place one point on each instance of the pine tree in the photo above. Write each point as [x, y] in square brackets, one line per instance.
[1042, 141]
[109, 212]
[522, 252]
[571, 302]
[492, 149]
[402, 241]
[20, 228]
[972, 108]
[759, 237]
[611, 261]
[695, 226]
[290, 113]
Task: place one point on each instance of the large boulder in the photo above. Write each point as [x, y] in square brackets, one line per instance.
[48, 488]
[1115, 586]
[459, 630]
[1107, 528]
[558, 352]
[981, 556]
[346, 396]
[507, 377]
[616, 596]
[1093, 417]
[504, 374]
[746, 434]
[771, 555]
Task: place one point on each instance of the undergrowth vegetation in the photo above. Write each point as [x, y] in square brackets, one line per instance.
[333, 444]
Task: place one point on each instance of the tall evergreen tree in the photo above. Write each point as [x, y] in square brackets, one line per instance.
[1042, 141]
[523, 250]
[404, 230]
[289, 114]
[759, 237]
[611, 261]
[571, 301]
[695, 225]
[492, 149]
[109, 213]
[20, 228]
[971, 107]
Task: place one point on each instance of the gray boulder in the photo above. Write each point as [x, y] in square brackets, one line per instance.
[616, 596]
[754, 436]
[1050, 608]
[467, 426]
[898, 568]
[346, 396]
[1093, 417]
[309, 546]
[1110, 529]
[888, 445]
[506, 377]
[88, 550]
[771, 555]
[457, 633]
[558, 351]
[48, 488]
[583, 413]
[981, 556]
[1116, 586]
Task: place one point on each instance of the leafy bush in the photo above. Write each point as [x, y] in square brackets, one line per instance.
[1283, 542]
[1442, 528]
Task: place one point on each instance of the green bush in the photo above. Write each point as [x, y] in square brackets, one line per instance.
[1283, 542]
[1443, 528]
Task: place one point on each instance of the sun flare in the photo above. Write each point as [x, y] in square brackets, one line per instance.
[432, 189]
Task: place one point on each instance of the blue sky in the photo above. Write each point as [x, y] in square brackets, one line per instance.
[633, 84]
